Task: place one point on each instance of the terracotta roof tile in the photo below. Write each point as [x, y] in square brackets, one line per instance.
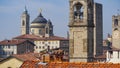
[26, 36]
[34, 37]
[15, 42]
[28, 56]
[34, 64]
[52, 38]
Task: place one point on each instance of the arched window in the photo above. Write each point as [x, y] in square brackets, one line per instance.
[23, 23]
[78, 11]
[116, 22]
[46, 30]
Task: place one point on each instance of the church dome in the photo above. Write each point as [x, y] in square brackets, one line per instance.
[39, 19]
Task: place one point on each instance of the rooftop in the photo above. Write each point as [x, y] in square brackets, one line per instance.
[12, 42]
[34, 37]
[33, 64]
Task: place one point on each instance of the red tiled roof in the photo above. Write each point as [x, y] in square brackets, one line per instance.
[15, 42]
[34, 64]
[28, 56]
[52, 38]
[34, 37]
[27, 36]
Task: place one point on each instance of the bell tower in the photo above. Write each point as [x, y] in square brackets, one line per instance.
[116, 31]
[81, 31]
[25, 22]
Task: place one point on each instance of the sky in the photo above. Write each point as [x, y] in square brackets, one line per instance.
[55, 10]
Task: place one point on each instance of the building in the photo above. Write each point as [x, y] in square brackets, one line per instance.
[85, 25]
[98, 29]
[81, 28]
[41, 33]
[116, 31]
[113, 55]
[15, 61]
[45, 43]
[25, 22]
[41, 27]
[10, 47]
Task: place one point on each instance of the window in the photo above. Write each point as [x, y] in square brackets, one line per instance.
[23, 23]
[12, 53]
[118, 54]
[116, 22]
[43, 47]
[43, 42]
[40, 32]
[46, 30]
[78, 11]
[9, 46]
[39, 47]
[3, 46]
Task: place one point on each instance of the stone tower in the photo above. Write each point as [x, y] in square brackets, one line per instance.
[98, 29]
[81, 28]
[116, 31]
[25, 22]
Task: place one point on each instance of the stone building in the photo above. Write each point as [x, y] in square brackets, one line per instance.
[98, 30]
[25, 22]
[81, 27]
[41, 33]
[45, 43]
[10, 47]
[41, 27]
[116, 31]
[86, 28]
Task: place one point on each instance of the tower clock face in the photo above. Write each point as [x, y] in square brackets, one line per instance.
[116, 34]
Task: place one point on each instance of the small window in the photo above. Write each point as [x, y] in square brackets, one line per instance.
[43, 42]
[23, 23]
[43, 47]
[46, 30]
[118, 54]
[39, 47]
[116, 22]
[9, 46]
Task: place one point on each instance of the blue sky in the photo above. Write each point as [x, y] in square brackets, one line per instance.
[56, 10]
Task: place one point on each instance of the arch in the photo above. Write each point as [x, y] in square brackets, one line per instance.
[47, 30]
[116, 22]
[115, 29]
[23, 23]
[78, 10]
